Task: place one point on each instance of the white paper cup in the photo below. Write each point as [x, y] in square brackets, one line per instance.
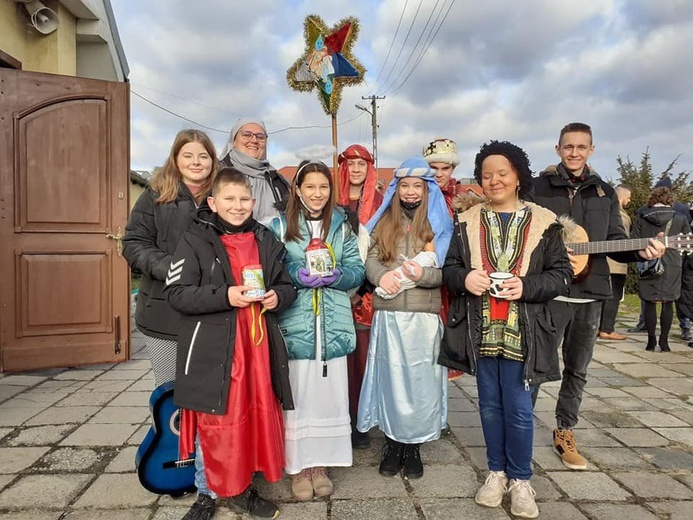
[497, 279]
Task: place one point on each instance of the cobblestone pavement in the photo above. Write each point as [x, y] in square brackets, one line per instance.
[68, 439]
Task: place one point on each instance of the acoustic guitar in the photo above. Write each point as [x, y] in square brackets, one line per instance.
[159, 467]
[578, 241]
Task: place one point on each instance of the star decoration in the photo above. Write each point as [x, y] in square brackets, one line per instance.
[327, 63]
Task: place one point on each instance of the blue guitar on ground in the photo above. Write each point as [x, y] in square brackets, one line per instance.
[159, 467]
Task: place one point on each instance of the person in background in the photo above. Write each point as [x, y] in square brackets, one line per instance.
[319, 331]
[246, 150]
[232, 376]
[571, 188]
[618, 275]
[404, 390]
[509, 343]
[357, 179]
[658, 217]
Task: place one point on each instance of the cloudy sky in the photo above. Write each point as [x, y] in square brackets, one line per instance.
[496, 69]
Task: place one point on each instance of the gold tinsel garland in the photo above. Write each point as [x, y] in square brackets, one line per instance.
[338, 82]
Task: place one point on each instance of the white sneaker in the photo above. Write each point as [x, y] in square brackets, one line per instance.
[491, 493]
[522, 502]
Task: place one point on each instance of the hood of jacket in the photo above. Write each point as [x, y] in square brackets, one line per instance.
[658, 215]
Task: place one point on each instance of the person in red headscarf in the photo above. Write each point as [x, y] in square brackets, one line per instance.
[358, 179]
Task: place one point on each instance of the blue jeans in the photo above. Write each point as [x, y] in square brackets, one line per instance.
[200, 478]
[506, 416]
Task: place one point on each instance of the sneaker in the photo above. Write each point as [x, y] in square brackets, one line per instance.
[411, 462]
[203, 508]
[564, 446]
[302, 485]
[612, 336]
[491, 493]
[391, 461]
[250, 502]
[322, 485]
[522, 502]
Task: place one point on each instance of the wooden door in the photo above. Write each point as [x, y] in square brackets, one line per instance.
[64, 170]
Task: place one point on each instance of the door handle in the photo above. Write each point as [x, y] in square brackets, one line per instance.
[118, 237]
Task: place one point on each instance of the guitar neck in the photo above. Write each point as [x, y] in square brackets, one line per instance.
[612, 246]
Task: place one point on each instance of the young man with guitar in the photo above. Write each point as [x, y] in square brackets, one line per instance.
[571, 189]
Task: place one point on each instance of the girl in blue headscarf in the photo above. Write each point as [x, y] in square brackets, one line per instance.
[404, 390]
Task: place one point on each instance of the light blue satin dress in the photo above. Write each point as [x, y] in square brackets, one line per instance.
[404, 389]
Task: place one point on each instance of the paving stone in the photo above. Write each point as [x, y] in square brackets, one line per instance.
[686, 479]
[478, 458]
[54, 385]
[543, 436]
[657, 419]
[677, 386]
[606, 392]
[70, 460]
[610, 419]
[135, 364]
[671, 403]
[681, 368]
[88, 399]
[464, 419]
[108, 386]
[124, 462]
[363, 482]
[122, 375]
[469, 436]
[14, 460]
[21, 380]
[620, 382]
[545, 488]
[78, 375]
[7, 392]
[40, 435]
[645, 370]
[5, 431]
[562, 510]
[445, 509]
[305, 511]
[641, 437]
[670, 458]
[684, 415]
[445, 481]
[629, 511]
[545, 404]
[139, 435]
[461, 405]
[653, 485]
[110, 514]
[43, 491]
[17, 416]
[672, 510]
[582, 485]
[646, 392]
[132, 399]
[593, 437]
[143, 385]
[682, 435]
[442, 451]
[372, 509]
[4, 480]
[611, 355]
[615, 458]
[35, 399]
[116, 491]
[597, 370]
[31, 515]
[100, 435]
[64, 415]
[120, 415]
[547, 459]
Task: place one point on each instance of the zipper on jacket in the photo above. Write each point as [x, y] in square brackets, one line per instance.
[190, 348]
[529, 349]
[466, 301]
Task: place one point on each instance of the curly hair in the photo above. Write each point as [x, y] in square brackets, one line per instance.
[513, 153]
[661, 195]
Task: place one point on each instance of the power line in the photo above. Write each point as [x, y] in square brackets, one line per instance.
[306, 127]
[406, 38]
[414, 48]
[425, 50]
[387, 57]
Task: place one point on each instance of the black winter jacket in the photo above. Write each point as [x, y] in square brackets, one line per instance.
[151, 236]
[545, 275]
[207, 327]
[648, 223]
[592, 204]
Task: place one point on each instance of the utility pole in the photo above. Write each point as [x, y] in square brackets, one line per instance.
[374, 122]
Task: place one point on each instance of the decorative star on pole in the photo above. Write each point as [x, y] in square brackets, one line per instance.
[327, 63]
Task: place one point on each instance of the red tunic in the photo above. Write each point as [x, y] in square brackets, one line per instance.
[249, 437]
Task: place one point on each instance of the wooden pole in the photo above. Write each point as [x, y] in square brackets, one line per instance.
[335, 165]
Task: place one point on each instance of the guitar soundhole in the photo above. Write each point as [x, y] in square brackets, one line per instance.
[174, 423]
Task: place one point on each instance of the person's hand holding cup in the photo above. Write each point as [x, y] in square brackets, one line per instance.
[498, 278]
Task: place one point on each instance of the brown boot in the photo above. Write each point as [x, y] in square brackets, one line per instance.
[302, 486]
[322, 485]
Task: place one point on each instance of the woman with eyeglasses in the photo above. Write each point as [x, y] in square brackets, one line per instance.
[246, 151]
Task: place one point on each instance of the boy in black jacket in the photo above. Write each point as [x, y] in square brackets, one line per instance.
[227, 281]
